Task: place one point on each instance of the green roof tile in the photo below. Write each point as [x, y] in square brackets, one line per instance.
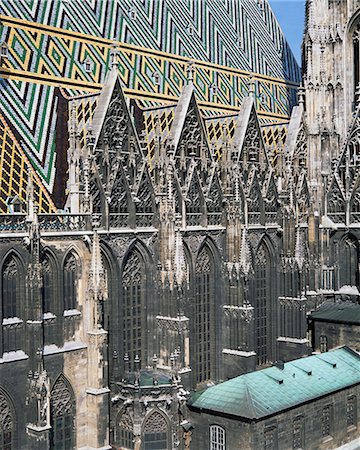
[268, 391]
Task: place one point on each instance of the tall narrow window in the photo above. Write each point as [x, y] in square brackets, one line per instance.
[125, 432]
[204, 285]
[62, 414]
[326, 421]
[134, 287]
[217, 438]
[47, 287]
[323, 344]
[356, 47]
[262, 303]
[6, 424]
[70, 282]
[270, 438]
[10, 288]
[349, 256]
[298, 433]
[156, 432]
[351, 417]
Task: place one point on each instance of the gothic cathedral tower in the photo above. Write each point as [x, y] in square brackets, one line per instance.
[331, 75]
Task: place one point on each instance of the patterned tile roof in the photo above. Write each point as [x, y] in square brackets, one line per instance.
[269, 391]
[49, 43]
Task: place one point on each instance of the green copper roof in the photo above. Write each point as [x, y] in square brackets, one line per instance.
[269, 391]
[342, 312]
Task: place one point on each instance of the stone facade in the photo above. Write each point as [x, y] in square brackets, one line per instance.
[301, 425]
[178, 260]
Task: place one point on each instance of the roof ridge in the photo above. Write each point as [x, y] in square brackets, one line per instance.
[250, 398]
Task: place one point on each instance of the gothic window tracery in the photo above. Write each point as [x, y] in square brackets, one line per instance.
[62, 416]
[70, 282]
[47, 286]
[125, 432]
[156, 433]
[11, 288]
[6, 424]
[194, 203]
[204, 315]
[349, 262]
[263, 287]
[356, 48]
[134, 288]
[11, 297]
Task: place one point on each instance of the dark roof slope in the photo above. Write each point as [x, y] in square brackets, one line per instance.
[340, 312]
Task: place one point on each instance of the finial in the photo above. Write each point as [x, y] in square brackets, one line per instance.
[251, 86]
[190, 69]
[301, 94]
[155, 361]
[114, 53]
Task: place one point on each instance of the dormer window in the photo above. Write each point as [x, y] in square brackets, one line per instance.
[190, 30]
[4, 50]
[88, 65]
[156, 78]
[213, 91]
[132, 13]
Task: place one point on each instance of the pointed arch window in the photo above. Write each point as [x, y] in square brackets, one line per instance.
[70, 282]
[356, 49]
[6, 424]
[62, 416]
[156, 432]
[11, 288]
[349, 260]
[125, 432]
[203, 314]
[134, 292]
[47, 289]
[262, 278]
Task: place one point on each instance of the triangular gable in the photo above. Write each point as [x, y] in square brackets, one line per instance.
[112, 119]
[189, 137]
[248, 138]
[116, 140]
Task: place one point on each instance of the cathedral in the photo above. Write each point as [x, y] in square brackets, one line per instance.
[179, 226]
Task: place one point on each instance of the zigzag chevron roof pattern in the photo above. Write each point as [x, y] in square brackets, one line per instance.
[233, 33]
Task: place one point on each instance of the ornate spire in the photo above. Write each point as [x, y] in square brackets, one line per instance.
[97, 279]
[179, 260]
[245, 255]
